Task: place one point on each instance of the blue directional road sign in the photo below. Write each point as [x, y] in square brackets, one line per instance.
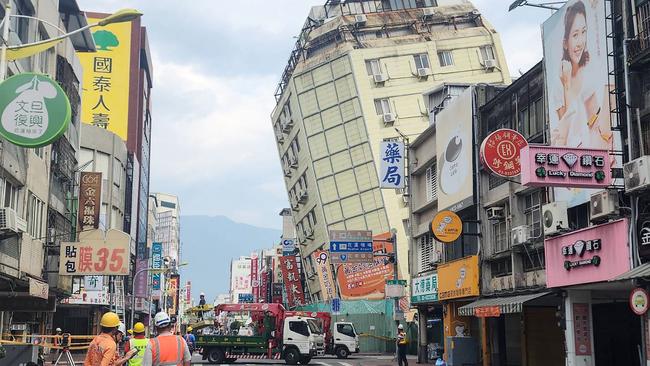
[350, 247]
[336, 306]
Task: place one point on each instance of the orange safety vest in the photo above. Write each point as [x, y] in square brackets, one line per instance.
[167, 350]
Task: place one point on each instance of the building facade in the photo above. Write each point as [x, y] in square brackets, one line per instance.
[357, 73]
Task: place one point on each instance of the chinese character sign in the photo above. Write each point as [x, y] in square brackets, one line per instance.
[324, 269]
[500, 152]
[156, 262]
[424, 289]
[106, 78]
[255, 283]
[90, 195]
[172, 294]
[96, 254]
[291, 279]
[391, 167]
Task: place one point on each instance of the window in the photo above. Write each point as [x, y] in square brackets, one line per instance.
[421, 61]
[346, 329]
[430, 183]
[500, 236]
[11, 196]
[533, 260]
[578, 216]
[445, 58]
[487, 53]
[167, 204]
[299, 327]
[428, 253]
[373, 67]
[44, 57]
[402, 4]
[20, 26]
[382, 106]
[295, 146]
[35, 210]
[117, 172]
[502, 267]
[38, 151]
[533, 212]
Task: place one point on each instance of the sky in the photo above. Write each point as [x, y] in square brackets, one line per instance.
[216, 65]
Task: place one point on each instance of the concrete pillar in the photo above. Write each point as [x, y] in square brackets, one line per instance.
[422, 336]
[575, 303]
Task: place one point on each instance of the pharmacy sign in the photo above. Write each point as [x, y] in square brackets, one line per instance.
[34, 110]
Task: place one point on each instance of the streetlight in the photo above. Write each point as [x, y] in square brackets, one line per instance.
[26, 50]
[550, 6]
[153, 271]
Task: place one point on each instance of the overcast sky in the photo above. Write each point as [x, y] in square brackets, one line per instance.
[216, 66]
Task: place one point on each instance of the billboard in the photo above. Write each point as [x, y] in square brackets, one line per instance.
[458, 278]
[577, 83]
[96, 254]
[106, 76]
[391, 164]
[325, 277]
[367, 280]
[455, 185]
[90, 199]
[291, 280]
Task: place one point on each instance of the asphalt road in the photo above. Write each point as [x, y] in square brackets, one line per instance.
[383, 360]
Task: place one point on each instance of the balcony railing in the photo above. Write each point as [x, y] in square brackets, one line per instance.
[640, 46]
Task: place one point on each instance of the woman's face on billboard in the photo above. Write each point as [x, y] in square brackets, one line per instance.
[576, 43]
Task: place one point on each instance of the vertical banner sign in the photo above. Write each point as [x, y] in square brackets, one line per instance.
[276, 293]
[577, 83]
[255, 282]
[582, 329]
[141, 281]
[156, 262]
[106, 75]
[324, 270]
[172, 294]
[262, 292]
[391, 167]
[188, 292]
[454, 151]
[90, 191]
[291, 279]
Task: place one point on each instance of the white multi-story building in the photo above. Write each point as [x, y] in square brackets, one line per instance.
[240, 277]
[168, 228]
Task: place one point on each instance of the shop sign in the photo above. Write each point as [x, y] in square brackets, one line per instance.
[288, 246]
[93, 283]
[594, 254]
[156, 263]
[96, 254]
[255, 283]
[547, 166]
[639, 301]
[34, 110]
[173, 290]
[90, 190]
[291, 280]
[487, 312]
[500, 152]
[582, 329]
[391, 167]
[644, 235]
[38, 289]
[395, 288]
[245, 298]
[325, 276]
[424, 289]
[458, 279]
[446, 226]
[276, 293]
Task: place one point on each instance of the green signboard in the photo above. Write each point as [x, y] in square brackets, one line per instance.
[34, 110]
[424, 289]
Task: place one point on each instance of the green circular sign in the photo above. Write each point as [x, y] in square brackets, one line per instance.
[34, 110]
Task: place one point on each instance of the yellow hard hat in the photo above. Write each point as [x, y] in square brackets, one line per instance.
[110, 320]
[189, 329]
[138, 328]
[130, 331]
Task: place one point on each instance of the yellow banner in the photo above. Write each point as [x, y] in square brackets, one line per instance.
[458, 279]
[325, 277]
[106, 74]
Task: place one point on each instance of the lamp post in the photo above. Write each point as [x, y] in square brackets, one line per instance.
[30, 49]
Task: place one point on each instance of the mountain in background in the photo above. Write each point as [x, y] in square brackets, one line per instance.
[209, 243]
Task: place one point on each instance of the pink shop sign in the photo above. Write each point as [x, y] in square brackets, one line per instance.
[549, 166]
[595, 254]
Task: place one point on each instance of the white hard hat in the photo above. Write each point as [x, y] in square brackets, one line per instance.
[202, 294]
[59, 330]
[121, 328]
[162, 320]
[400, 327]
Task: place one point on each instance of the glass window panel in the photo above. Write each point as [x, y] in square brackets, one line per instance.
[366, 176]
[356, 132]
[102, 164]
[361, 154]
[333, 212]
[327, 189]
[313, 124]
[351, 206]
[346, 183]
[371, 200]
[350, 109]
[85, 157]
[322, 167]
[341, 161]
[308, 103]
[322, 74]
[356, 223]
[341, 66]
[345, 88]
[317, 146]
[326, 96]
[304, 82]
[336, 140]
[331, 117]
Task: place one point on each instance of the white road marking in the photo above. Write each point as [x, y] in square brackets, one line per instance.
[345, 364]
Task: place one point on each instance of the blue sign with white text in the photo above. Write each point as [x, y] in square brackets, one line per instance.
[245, 298]
[156, 262]
[351, 247]
[336, 305]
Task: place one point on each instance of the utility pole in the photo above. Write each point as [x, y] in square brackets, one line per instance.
[393, 239]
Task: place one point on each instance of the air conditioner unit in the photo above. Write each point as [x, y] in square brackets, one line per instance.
[555, 218]
[380, 78]
[293, 162]
[490, 63]
[309, 233]
[280, 137]
[360, 19]
[287, 172]
[520, 235]
[428, 13]
[637, 174]
[10, 221]
[295, 206]
[302, 196]
[495, 213]
[423, 72]
[603, 205]
[389, 118]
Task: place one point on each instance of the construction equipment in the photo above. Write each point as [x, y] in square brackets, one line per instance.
[65, 351]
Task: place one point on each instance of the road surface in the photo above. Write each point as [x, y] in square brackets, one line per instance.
[375, 360]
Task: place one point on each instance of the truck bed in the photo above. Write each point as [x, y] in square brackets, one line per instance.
[251, 344]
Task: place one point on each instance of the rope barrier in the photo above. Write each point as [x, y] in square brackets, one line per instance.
[383, 338]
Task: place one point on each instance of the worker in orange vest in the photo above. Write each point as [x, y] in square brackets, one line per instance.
[166, 348]
[102, 351]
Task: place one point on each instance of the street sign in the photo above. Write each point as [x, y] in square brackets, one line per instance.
[288, 246]
[350, 247]
[336, 306]
[350, 235]
[350, 258]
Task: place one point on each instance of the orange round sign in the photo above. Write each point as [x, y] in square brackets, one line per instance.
[446, 226]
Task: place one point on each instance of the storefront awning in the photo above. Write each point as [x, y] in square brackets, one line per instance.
[638, 272]
[506, 305]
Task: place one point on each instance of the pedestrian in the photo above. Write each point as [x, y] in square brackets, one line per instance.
[102, 351]
[56, 341]
[401, 346]
[201, 304]
[190, 340]
[137, 342]
[166, 348]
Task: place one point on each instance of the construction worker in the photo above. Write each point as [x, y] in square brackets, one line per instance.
[139, 342]
[102, 351]
[401, 346]
[190, 340]
[166, 348]
[201, 304]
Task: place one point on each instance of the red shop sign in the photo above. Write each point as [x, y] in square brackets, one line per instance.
[487, 312]
[500, 152]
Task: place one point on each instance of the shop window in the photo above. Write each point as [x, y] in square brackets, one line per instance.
[500, 236]
[533, 212]
[534, 260]
[445, 58]
[578, 216]
[501, 267]
[421, 61]
[430, 183]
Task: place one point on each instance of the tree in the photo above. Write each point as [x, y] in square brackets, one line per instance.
[105, 39]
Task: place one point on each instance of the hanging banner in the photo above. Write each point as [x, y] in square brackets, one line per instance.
[458, 279]
[291, 279]
[96, 254]
[188, 292]
[90, 200]
[156, 263]
[172, 294]
[391, 164]
[324, 271]
[255, 282]
[276, 293]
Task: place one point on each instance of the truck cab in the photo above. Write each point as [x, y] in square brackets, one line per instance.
[302, 339]
[346, 339]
